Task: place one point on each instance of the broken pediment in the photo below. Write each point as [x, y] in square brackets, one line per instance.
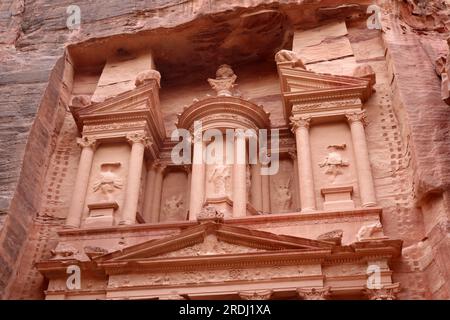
[137, 107]
[317, 91]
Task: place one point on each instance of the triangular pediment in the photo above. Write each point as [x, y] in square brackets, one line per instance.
[213, 239]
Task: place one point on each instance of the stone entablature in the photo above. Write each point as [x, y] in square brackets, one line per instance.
[223, 260]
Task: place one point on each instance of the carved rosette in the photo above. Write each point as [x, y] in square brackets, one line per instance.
[357, 116]
[387, 292]
[256, 295]
[298, 122]
[87, 142]
[314, 293]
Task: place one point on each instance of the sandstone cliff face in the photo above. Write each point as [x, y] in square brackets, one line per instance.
[35, 90]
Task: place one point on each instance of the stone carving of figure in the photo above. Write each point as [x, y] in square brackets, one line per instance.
[108, 182]
[284, 195]
[370, 231]
[224, 82]
[334, 162]
[287, 56]
[173, 208]
[220, 178]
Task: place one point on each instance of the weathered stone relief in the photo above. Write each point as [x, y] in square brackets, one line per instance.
[108, 182]
[370, 231]
[334, 163]
[174, 209]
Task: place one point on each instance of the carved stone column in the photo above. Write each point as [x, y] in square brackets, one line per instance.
[198, 178]
[157, 191]
[293, 155]
[149, 191]
[81, 183]
[265, 184]
[240, 176]
[386, 292]
[138, 141]
[314, 294]
[365, 179]
[300, 127]
[188, 170]
[256, 190]
[256, 295]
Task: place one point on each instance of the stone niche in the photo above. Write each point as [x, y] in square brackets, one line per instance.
[333, 163]
[283, 188]
[174, 199]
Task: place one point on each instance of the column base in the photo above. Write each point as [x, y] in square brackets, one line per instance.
[369, 204]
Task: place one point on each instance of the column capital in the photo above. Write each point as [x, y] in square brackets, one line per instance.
[314, 293]
[159, 166]
[187, 168]
[386, 292]
[87, 142]
[300, 122]
[256, 295]
[138, 137]
[357, 116]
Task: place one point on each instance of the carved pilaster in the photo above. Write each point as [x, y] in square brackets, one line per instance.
[256, 295]
[314, 293]
[386, 292]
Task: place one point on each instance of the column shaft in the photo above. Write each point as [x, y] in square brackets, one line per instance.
[257, 199]
[81, 183]
[240, 177]
[365, 179]
[157, 193]
[149, 191]
[197, 195]
[265, 184]
[134, 179]
[305, 171]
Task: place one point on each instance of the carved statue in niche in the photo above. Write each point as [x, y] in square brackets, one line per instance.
[334, 162]
[284, 195]
[284, 56]
[108, 181]
[221, 179]
[224, 82]
[173, 208]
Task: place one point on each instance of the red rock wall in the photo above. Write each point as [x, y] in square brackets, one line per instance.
[34, 86]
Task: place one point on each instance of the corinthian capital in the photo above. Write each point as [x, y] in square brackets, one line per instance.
[87, 142]
[357, 116]
[300, 122]
[386, 292]
[314, 294]
[256, 295]
[138, 138]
